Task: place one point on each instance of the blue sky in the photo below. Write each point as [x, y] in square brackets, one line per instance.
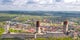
[43, 5]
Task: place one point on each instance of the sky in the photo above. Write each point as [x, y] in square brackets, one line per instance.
[40, 5]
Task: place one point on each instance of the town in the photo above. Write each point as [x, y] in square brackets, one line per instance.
[28, 27]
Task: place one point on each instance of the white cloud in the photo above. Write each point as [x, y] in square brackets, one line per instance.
[69, 1]
[21, 5]
[44, 1]
[19, 2]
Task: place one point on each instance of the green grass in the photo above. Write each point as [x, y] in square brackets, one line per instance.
[1, 30]
[11, 39]
[15, 31]
[54, 38]
[51, 38]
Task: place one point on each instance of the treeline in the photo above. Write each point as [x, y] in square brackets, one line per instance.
[46, 13]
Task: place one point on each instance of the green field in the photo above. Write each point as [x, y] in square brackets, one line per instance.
[1, 30]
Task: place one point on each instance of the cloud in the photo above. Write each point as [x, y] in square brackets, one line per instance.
[69, 1]
[19, 2]
[44, 1]
[22, 5]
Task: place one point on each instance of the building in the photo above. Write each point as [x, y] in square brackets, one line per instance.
[65, 26]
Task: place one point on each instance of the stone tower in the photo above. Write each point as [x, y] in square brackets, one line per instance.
[65, 26]
[7, 27]
[38, 30]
